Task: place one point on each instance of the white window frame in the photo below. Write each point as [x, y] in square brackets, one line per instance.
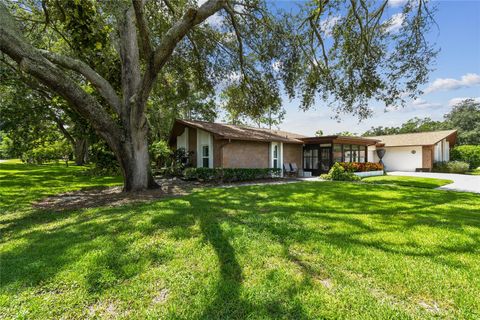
[204, 138]
[279, 157]
[203, 155]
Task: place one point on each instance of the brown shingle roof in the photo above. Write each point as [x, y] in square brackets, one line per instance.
[414, 139]
[229, 131]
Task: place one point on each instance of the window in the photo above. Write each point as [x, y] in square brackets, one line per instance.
[205, 157]
[310, 159]
[363, 150]
[275, 156]
[347, 153]
[337, 153]
[355, 151]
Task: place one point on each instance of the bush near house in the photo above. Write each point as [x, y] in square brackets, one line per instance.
[339, 173]
[230, 174]
[361, 166]
[58, 150]
[467, 153]
[451, 167]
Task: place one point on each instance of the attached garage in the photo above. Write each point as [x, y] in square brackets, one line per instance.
[414, 151]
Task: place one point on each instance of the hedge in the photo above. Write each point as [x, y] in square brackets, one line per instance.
[450, 167]
[361, 166]
[467, 153]
[230, 174]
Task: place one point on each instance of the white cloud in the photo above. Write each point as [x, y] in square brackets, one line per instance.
[417, 104]
[455, 101]
[328, 24]
[468, 80]
[215, 20]
[395, 22]
[396, 3]
[276, 65]
[423, 104]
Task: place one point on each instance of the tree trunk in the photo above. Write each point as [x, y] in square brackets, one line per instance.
[134, 161]
[81, 151]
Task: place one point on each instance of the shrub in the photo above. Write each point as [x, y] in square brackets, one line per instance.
[58, 150]
[361, 166]
[451, 167]
[467, 153]
[104, 160]
[338, 173]
[161, 153]
[230, 174]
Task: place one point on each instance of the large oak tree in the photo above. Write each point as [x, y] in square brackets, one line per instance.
[345, 52]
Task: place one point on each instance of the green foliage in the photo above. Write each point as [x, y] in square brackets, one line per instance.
[465, 116]
[467, 153]
[6, 146]
[59, 150]
[104, 160]
[319, 133]
[230, 174]
[338, 173]
[411, 126]
[451, 167]
[346, 134]
[160, 153]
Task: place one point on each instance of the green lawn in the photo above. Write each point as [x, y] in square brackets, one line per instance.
[475, 172]
[416, 182]
[307, 250]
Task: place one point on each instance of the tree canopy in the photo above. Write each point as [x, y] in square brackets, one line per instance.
[114, 61]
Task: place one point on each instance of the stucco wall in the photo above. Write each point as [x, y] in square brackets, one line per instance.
[402, 158]
[292, 153]
[245, 154]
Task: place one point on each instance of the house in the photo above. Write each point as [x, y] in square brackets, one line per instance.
[215, 145]
[414, 151]
[230, 146]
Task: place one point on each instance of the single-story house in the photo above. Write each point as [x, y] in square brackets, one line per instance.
[414, 151]
[213, 145]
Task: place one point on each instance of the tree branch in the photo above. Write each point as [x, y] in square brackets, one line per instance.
[172, 37]
[145, 41]
[130, 58]
[231, 13]
[103, 86]
[34, 63]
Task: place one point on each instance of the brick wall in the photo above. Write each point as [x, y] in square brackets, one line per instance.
[292, 153]
[245, 154]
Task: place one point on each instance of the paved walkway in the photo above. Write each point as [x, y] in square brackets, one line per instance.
[461, 182]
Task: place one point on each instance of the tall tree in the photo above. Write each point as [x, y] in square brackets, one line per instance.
[350, 60]
[465, 116]
[411, 126]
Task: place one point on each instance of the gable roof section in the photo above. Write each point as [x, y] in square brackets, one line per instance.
[417, 139]
[229, 131]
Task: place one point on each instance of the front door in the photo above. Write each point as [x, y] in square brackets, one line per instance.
[316, 159]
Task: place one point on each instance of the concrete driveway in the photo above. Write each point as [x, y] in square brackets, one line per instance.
[461, 182]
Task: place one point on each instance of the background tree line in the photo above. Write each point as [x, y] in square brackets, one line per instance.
[464, 117]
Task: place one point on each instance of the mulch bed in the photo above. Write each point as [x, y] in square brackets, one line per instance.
[113, 196]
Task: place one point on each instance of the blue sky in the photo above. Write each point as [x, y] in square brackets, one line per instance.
[456, 76]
